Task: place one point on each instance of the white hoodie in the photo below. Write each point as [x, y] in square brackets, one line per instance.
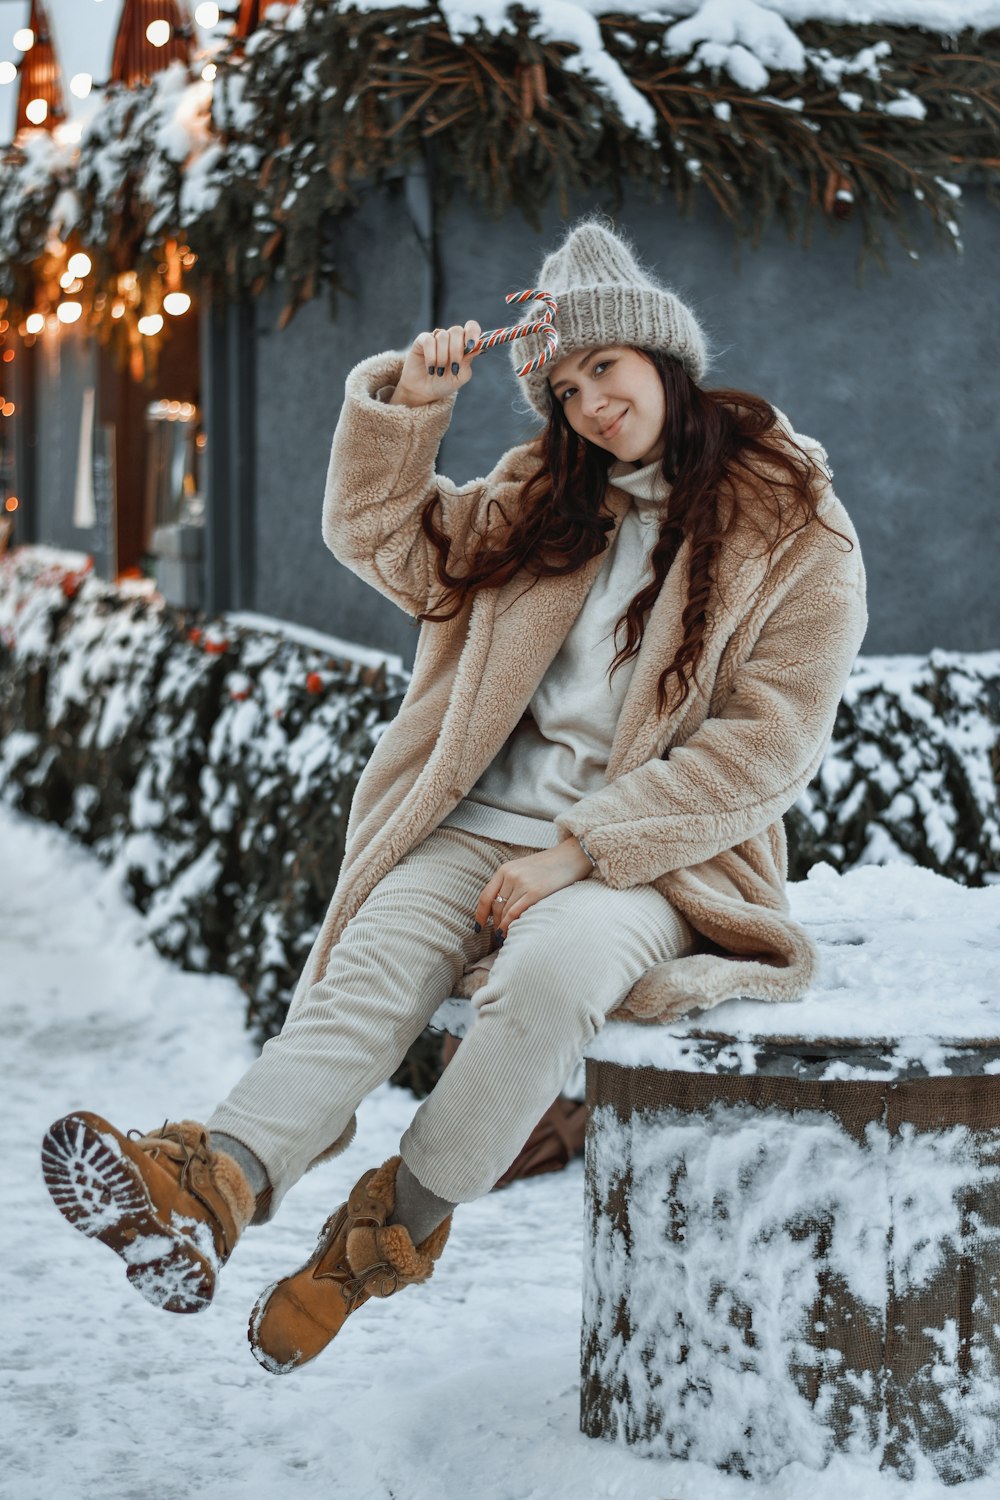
[559, 751]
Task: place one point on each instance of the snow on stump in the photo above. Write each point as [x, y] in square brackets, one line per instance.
[793, 1211]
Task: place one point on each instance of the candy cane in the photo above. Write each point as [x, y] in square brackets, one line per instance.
[544, 325]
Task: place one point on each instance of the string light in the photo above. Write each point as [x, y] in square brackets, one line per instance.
[81, 84]
[36, 110]
[8, 72]
[24, 39]
[11, 503]
[176, 303]
[69, 312]
[118, 310]
[208, 72]
[207, 14]
[158, 33]
[35, 322]
[150, 324]
[79, 264]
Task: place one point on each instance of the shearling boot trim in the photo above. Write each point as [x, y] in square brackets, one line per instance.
[232, 1184]
[224, 1173]
[436, 1240]
[373, 1196]
[368, 1249]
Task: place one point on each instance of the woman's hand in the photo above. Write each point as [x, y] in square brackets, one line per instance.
[436, 365]
[519, 883]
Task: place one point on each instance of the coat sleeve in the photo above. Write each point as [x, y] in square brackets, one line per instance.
[380, 476]
[742, 768]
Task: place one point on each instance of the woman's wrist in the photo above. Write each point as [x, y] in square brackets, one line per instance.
[590, 857]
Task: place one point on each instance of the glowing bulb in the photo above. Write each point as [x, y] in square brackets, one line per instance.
[8, 408]
[69, 133]
[176, 303]
[69, 312]
[208, 72]
[35, 322]
[81, 84]
[8, 72]
[24, 39]
[8, 355]
[158, 33]
[11, 502]
[36, 110]
[118, 310]
[150, 324]
[207, 14]
[79, 264]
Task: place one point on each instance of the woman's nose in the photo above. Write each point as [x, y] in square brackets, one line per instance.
[593, 402]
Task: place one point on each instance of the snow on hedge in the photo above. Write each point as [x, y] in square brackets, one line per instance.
[213, 763]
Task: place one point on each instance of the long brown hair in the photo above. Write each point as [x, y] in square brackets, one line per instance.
[711, 440]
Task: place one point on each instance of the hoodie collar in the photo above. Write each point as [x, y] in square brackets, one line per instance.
[647, 486]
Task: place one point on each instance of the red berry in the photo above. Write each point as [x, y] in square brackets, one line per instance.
[314, 683]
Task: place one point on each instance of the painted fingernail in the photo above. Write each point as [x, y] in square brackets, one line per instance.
[430, 369]
[454, 367]
[477, 926]
[440, 369]
[470, 345]
[500, 939]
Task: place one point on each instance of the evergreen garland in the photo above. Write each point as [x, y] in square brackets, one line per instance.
[306, 117]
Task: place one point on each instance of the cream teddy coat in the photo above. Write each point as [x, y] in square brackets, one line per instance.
[694, 798]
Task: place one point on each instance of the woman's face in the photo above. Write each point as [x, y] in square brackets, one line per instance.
[614, 398]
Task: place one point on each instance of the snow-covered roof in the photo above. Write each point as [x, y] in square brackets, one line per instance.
[84, 30]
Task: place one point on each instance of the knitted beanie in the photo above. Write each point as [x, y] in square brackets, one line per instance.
[604, 298]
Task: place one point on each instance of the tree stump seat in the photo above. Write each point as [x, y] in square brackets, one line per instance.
[792, 1243]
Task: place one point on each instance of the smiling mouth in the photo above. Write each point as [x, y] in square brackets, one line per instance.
[613, 428]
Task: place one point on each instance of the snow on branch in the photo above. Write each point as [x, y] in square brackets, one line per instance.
[790, 110]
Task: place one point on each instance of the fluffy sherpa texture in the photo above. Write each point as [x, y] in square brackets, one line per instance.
[695, 797]
[224, 1172]
[605, 297]
[227, 1175]
[372, 1241]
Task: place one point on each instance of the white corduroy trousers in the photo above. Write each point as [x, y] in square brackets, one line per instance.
[567, 961]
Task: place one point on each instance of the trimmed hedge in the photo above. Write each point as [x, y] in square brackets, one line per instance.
[214, 769]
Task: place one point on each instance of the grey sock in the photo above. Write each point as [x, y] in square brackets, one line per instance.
[253, 1169]
[417, 1208]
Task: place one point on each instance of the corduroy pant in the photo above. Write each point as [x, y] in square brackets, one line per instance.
[567, 961]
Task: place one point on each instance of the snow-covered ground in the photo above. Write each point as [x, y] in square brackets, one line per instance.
[466, 1387]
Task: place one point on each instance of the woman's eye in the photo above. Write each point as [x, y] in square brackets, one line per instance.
[602, 364]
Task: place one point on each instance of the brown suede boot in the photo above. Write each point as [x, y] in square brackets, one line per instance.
[170, 1207]
[357, 1256]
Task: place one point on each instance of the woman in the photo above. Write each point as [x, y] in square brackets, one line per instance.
[635, 635]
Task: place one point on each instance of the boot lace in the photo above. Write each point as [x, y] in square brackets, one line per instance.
[381, 1271]
[157, 1142]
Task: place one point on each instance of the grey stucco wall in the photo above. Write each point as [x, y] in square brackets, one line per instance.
[300, 390]
[896, 377]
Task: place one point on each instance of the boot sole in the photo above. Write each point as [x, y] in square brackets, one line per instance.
[101, 1193]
